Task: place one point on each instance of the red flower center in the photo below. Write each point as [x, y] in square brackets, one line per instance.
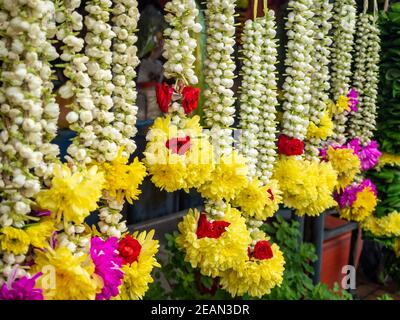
[206, 229]
[179, 145]
[129, 249]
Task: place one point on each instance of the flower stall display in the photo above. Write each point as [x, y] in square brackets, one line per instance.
[48, 252]
[307, 185]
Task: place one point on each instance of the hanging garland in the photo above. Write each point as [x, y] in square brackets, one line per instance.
[342, 48]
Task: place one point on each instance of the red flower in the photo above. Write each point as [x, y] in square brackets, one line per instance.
[262, 250]
[129, 249]
[179, 145]
[214, 230]
[164, 94]
[290, 146]
[190, 98]
[271, 194]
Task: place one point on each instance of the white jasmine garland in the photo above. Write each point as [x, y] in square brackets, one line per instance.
[366, 77]
[125, 60]
[320, 84]
[219, 72]
[342, 48]
[180, 44]
[298, 68]
[28, 112]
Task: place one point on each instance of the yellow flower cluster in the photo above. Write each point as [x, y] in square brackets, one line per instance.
[346, 163]
[323, 130]
[72, 196]
[387, 226]
[255, 277]
[122, 180]
[260, 202]
[65, 276]
[362, 207]
[389, 159]
[227, 179]
[211, 255]
[138, 274]
[18, 241]
[307, 186]
[185, 166]
[342, 105]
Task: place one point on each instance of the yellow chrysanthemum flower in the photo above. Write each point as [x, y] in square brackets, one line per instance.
[72, 196]
[342, 104]
[387, 226]
[14, 240]
[258, 201]
[65, 276]
[122, 180]
[39, 233]
[138, 275]
[389, 159]
[323, 130]
[227, 179]
[362, 207]
[255, 277]
[182, 166]
[214, 255]
[346, 163]
[307, 186]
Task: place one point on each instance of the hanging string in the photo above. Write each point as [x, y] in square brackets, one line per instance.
[386, 5]
[265, 7]
[255, 9]
[376, 9]
[365, 9]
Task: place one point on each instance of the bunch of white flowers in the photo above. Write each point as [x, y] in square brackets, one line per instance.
[258, 97]
[299, 69]
[320, 84]
[125, 60]
[180, 44]
[219, 72]
[343, 37]
[366, 77]
[98, 40]
[28, 110]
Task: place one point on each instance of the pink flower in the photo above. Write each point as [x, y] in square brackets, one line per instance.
[21, 289]
[369, 155]
[353, 99]
[108, 264]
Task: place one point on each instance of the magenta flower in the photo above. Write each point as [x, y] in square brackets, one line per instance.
[107, 265]
[347, 197]
[41, 213]
[368, 155]
[21, 289]
[353, 99]
[368, 183]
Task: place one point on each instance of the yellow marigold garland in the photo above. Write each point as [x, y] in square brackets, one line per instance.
[214, 255]
[362, 207]
[307, 186]
[323, 130]
[255, 277]
[72, 195]
[387, 226]
[388, 159]
[138, 274]
[227, 179]
[260, 202]
[346, 163]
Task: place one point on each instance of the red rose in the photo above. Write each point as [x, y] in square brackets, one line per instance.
[217, 228]
[290, 146]
[164, 95]
[202, 227]
[129, 249]
[214, 230]
[190, 98]
[179, 145]
[262, 250]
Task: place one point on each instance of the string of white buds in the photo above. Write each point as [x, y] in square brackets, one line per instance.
[366, 77]
[300, 32]
[343, 41]
[219, 73]
[320, 84]
[180, 45]
[125, 60]
[27, 107]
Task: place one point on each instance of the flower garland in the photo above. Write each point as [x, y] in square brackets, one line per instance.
[366, 78]
[125, 16]
[301, 192]
[28, 118]
[219, 73]
[388, 159]
[342, 48]
[387, 226]
[357, 201]
[320, 126]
